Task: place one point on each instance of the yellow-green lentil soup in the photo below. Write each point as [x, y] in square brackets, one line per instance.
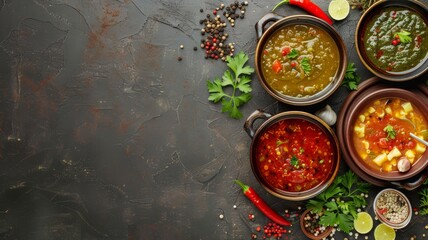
[300, 60]
[383, 44]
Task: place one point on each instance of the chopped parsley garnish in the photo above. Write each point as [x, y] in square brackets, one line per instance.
[294, 161]
[293, 54]
[306, 66]
[239, 80]
[390, 132]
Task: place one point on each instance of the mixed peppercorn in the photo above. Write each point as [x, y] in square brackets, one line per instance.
[214, 27]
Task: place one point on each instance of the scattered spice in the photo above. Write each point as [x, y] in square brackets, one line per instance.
[181, 46]
[215, 27]
[273, 230]
[195, 49]
[221, 216]
[312, 225]
[179, 58]
[392, 206]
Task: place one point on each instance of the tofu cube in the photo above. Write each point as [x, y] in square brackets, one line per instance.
[393, 153]
[362, 118]
[410, 154]
[359, 131]
[407, 107]
[388, 110]
[420, 148]
[380, 159]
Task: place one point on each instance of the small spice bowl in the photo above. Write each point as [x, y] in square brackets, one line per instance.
[393, 208]
[311, 228]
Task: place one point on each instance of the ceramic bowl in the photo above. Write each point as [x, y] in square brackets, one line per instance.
[354, 110]
[402, 203]
[310, 235]
[264, 33]
[373, 60]
[297, 173]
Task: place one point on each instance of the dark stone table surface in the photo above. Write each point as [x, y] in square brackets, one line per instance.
[104, 134]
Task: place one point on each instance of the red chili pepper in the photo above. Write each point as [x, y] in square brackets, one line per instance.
[261, 205]
[309, 7]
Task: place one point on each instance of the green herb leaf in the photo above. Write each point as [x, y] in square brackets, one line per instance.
[390, 132]
[294, 161]
[238, 79]
[404, 36]
[340, 201]
[346, 222]
[293, 54]
[352, 79]
[329, 218]
[423, 201]
[306, 66]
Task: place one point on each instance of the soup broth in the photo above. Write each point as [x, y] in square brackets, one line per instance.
[295, 155]
[300, 60]
[382, 133]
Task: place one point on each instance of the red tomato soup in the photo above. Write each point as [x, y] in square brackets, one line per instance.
[294, 155]
[382, 133]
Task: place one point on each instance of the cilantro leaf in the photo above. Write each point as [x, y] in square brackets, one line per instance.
[306, 66]
[315, 206]
[390, 132]
[404, 36]
[216, 91]
[294, 161]
[237, 78]
[328, 218]
[237, 64]
[293, 54]
[352, 79]
[346, 222]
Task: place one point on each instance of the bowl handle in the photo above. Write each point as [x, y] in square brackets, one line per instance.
[412, 185]
[248, 125]
[260, 25]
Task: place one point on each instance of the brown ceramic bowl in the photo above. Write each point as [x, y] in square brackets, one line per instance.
[281, 22]
[354, 111]
[310, 235]
[270, 123]
[361, 47]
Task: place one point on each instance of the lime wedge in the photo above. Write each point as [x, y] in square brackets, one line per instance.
[384, 232]
[363, 223]
[338, 9]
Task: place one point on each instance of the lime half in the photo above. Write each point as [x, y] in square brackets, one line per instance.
[339, 9]
[384, 232]
[363, 223]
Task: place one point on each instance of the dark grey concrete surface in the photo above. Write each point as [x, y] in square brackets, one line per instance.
[104, 134]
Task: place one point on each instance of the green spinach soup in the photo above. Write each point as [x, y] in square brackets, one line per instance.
[396, 39]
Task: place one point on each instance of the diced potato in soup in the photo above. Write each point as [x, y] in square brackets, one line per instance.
[382, 133]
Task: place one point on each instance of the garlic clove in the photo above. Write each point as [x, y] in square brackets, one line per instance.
[327, 114]
[403, 164]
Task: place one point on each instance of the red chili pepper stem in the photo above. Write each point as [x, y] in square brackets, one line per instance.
[261, 205]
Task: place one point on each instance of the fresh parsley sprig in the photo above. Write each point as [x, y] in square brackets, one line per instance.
[389, 129]
[238, 79]
[340, 201]
[352, 79]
